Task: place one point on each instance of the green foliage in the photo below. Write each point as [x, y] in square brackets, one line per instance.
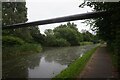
[87, 36]
[10, 41]
[51, 40]
[36, 35]
[86, 43]
[16, 42]
[19, 50]
[16, 12]
[13, 12]
[49, 32]
[68, 32]
[76, 67]
[30, 47]
[114, 58]
[62, 42]
[65, 35]
[109, 26]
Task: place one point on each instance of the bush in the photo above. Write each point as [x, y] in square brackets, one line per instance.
[62, 42]
[30, 47]
[10, 40]
[20, 50]
[56, 42]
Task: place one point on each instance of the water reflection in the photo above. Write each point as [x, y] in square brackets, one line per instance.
[46, 64]
[18, 68]
[46, 69]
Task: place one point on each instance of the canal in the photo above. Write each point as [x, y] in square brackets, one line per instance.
[46, 64]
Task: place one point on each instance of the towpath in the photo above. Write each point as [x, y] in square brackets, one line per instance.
[99, 66]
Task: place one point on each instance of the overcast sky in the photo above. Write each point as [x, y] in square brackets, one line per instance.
[46, 9]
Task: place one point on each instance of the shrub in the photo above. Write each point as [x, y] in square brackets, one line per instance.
[10, 40]
[62, 42]
[10, 52]
[30, 47]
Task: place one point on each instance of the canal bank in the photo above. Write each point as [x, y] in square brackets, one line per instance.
[76, 67]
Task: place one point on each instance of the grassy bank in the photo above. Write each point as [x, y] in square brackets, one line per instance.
[76, 67]
[9, 52]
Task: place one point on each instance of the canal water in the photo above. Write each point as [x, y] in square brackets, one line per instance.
[46, 64]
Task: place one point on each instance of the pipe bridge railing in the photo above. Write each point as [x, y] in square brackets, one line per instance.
[60, 19]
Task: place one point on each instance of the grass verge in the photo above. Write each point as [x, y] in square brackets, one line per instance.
[76, 67]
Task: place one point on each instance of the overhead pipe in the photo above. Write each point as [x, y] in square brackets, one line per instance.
[59, 19]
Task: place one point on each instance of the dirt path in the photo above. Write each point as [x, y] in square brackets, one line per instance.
[99, 66]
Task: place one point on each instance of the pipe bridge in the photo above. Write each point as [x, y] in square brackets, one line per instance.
[60, 19]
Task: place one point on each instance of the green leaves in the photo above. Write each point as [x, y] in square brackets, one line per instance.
[68, 32]
[67, 35]
[10, 40]
[16, 12]
[109, 26]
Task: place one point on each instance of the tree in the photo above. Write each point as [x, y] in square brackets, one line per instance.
[49, 37]
[87, 36]
[36, 35]
[72, 26]
[68, 32]
[108, 26]
[13, 13]
[49, 32]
